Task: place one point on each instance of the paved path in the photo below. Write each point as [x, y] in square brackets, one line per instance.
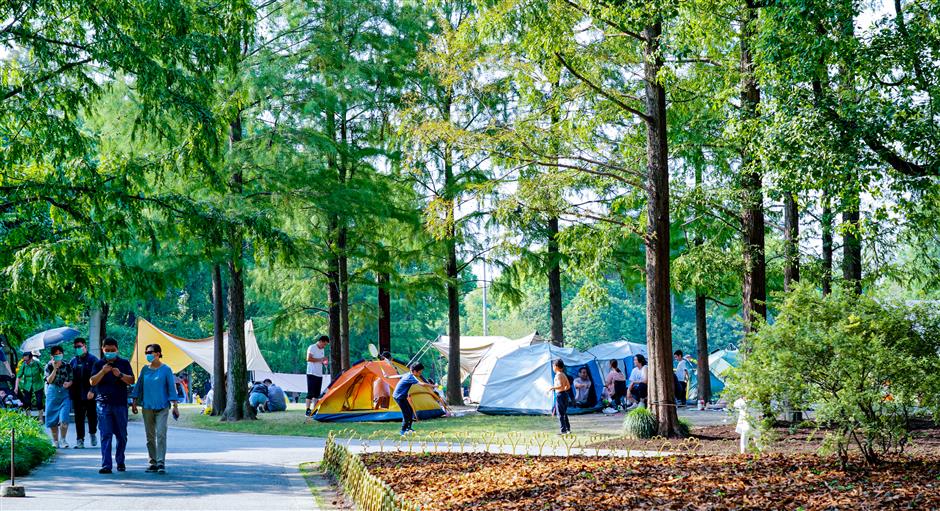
[205, 471]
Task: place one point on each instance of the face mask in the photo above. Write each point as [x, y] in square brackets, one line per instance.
[150, 358]
[110, 355]
[57, 358]
[80, 351]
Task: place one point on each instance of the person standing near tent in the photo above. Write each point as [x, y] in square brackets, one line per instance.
[58, 404]
[316, 360]
[401, 395]
[155, 392]
[83, 399]
[561, 387]
[113, 375]
[682, 377]
[29, 385]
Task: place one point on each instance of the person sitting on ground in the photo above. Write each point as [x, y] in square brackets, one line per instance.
[616, 384]
[381, 392]
[277, 400]
[638, 382]
[258, 397]
[8, 400]
[582, 388]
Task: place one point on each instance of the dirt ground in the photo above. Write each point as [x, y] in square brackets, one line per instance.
[485, 482]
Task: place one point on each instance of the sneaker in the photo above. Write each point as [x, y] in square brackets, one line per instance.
[151, 469]
[161, 470]
[64, 444]
[121, 468]
[308, 413]
[104, 471]
[94, 441]
[80, 444]
[57, 445]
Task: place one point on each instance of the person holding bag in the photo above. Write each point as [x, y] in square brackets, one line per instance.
[156, 393]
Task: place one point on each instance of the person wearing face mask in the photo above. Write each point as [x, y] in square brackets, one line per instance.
[83, 399]
[155, 392]
[58, 404]
[112, 375]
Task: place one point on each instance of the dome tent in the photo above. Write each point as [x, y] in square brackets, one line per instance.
[719, 363]
[621, 351]
[520, 380]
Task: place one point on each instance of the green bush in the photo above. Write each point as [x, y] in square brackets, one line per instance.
[32, 445]
[639, 423]
[864, 366]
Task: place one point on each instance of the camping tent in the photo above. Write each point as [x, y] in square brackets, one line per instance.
[349, 398]
[520, 380]
[179, 352]
[484, 369]
[621, 351]
[719, 362]
[472, 350]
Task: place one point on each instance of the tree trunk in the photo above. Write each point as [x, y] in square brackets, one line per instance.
[554, 284]
[754, 292]
[454, 383]
[791, 234]
[701, 345]
[852, 244]
[662, 402]
[103, 321]
[218, 341]
[343, 297]
[385, 312]
[827, 244]
[335, 330]
[236, 406]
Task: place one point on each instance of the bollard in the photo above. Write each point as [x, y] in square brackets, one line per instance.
[13, 490]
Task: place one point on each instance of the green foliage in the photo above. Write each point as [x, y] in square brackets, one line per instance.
[863, 366]
[639, 423]
[32, 444]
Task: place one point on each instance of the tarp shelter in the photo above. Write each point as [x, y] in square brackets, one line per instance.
[520, 381]
[484, 369]
[719, 362]
[289, 382]
[472, 350]
[350, 397]
[179, 352]
[621, 351]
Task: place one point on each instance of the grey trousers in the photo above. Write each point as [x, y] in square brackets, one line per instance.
[155, 426]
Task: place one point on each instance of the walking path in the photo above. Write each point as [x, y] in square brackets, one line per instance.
[206, 470]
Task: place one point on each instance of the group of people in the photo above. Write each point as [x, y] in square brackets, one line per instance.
[99, 391]
[265, 396]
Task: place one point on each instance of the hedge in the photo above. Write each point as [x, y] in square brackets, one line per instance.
[32, 444]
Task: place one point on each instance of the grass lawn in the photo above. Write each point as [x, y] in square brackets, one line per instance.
[292, 423]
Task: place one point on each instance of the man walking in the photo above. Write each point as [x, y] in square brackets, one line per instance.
[83, 399]
[113, 375]
[316, 359]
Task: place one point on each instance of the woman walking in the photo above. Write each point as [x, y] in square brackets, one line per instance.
[58, 404]
[155, 393]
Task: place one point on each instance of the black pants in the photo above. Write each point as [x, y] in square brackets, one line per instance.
[85, 409]
[680, 392]
[407, 413]
[561, 406]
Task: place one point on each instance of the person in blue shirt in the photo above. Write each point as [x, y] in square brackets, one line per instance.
[277, 400]
[112, 375]
[400, 395]
[155, 392]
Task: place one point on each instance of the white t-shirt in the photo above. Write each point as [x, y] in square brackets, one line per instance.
[637, 374]
[682, 369]
[315, 368]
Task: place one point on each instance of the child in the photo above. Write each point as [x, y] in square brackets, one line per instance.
[9, 400]
[401, 395]
[561, 388]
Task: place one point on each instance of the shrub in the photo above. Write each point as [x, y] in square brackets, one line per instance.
[639, 423]
[32, 445]
[863, 365]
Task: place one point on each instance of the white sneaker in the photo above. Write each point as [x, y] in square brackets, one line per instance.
[64, 444]
[57, 446]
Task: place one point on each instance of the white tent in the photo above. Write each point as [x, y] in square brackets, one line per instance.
[289, 382]
[472, 350]
[481, 373]
[520, 380]
[621, 351]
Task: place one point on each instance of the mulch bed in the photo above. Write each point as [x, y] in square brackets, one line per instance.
[458, 481]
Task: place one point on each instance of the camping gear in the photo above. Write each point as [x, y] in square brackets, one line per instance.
[622, 351]
[484, 369]
[520, 380]
[478, 356]
[48, 339]
[719, 363]
[350, 397]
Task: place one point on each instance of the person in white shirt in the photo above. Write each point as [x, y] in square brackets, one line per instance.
[682, 377]
[582, 388]
[316, 360]
[638, 381]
